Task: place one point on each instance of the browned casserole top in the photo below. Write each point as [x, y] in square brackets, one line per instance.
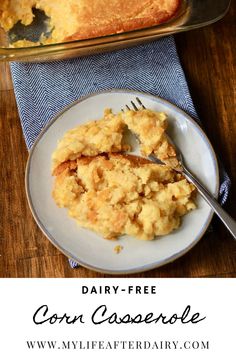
[82, 19]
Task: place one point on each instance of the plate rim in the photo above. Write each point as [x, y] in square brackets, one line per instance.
[146, 267]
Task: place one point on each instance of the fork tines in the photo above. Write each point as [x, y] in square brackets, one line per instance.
[134, 105]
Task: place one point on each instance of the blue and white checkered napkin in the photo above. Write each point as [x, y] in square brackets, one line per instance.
[44, 89]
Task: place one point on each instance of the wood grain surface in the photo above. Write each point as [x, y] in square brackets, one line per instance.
[208, 57]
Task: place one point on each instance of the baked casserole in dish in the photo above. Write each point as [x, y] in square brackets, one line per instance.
[37, 30]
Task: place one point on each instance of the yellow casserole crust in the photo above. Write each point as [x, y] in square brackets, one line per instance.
[91, 139]
[150, 127]
[106, 135]
[121, 194]
[82, 19]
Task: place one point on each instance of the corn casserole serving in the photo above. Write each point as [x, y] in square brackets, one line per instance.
[113, 193]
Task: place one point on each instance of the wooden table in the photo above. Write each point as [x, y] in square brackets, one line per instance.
[208, 58]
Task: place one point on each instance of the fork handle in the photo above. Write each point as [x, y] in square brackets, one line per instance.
[229, 222]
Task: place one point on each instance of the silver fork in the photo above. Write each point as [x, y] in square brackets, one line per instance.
[228, 221]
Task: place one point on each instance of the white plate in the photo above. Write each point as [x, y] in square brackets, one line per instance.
[86, 247]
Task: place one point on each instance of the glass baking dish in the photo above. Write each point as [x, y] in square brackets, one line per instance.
[192, 14]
